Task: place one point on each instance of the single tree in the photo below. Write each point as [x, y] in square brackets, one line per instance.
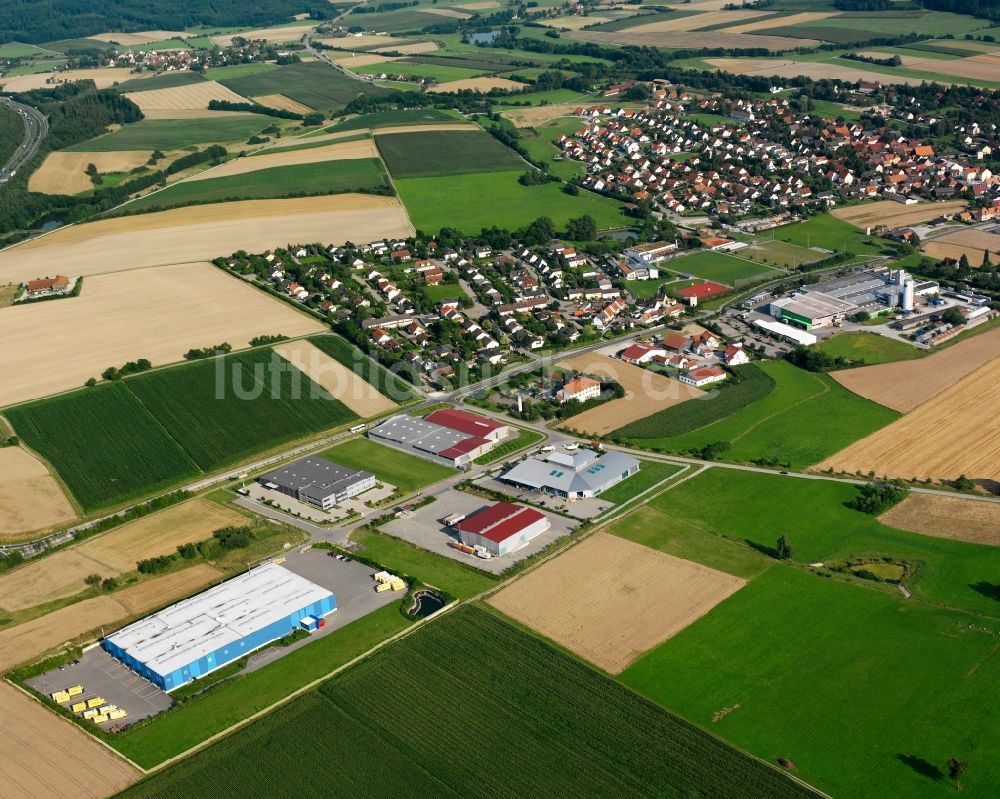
[956, 768]
[784, 549]
[987, 264]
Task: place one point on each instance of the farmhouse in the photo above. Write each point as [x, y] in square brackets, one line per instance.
[454, 437]
[199, 635]
[501, 528]
[574, 475]
[318, 481]
[46, 285]
[578, 388]
[640, 353]
[704, 376]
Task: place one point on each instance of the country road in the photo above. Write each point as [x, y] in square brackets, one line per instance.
[36, 129]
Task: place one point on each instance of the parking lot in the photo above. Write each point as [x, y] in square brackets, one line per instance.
[423, 528]
[356, 505]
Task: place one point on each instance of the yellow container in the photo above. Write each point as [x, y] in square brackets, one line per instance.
[79, 706]
[99, 719]
[76, 690]
[89, 714]
[97, 701]
[382, 587]
[117, 714]
[61, 697]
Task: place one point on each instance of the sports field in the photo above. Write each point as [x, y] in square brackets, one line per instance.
[805, 418]
[719, 267]
[174, 134]
[868, 348]
[30, 498]
[158, 314]
[574, 729]
[780, 253]
[485, 199]
[407, 472]
[828, 232]
[432, 153]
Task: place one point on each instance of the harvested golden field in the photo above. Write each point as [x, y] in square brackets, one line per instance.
[747, 66]
[784, 22]
[965, 241]
[645, 393]
[361, 397]
[479, 85]
[979, 67]
[352, 60]
[46, 757]
[610, 600]
[529, 117]
[957, 432]
[267, 159]
[158, 314]
[409, 49]
[447, 12]
[694, 40]
[947, 517]
[29, 641]
[103, 77]
[139, 37]
[65, 172]
[574, 22]
[30, 498]
[290, 33]
[282, 102]
[202, 232]
[904, 385]
[820, 71]
[893, 214]
[364, 40]
[193, 97]
[697, 21]
[61, 574]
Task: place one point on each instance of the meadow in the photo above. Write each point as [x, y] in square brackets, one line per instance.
[868, 694]
[223, 409]
[312, 83]
[650, 473]
[173, 134]
[485, 199]
[780, 253]
[103, 444]
[384, 381]
[868, 348]
[237, 71]
[441, 73]
[806, 418]
[829, 233]
[431, 153]
[325, 177]
[407, 472]
[524, 438]
[719, 267]
[390, 119]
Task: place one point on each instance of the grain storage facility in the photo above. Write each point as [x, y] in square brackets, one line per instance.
[201, 634]
[501, 528]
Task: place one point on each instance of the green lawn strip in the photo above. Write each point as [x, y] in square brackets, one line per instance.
[719, 267]
[324, 177]
[650, 473]
[386, 382]
[104, 445]
[173, 134]
[485, 199]
[430, 153]
[203, 716]
[222, 410]
[304, 143]
[407, 472]
[824, 530]
[869, 348]
[829, 233]
[457, 579]
[237, 71]
[386, 119]
[868, 694]
[524, 438]
[441, 73]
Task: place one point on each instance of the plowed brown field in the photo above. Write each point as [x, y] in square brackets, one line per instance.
[947, 517]
[609, 600]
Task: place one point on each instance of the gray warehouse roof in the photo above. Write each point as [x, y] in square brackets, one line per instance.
[583, 471]
[327, 477]
[814, 305]
[185, 632]
[418, 433]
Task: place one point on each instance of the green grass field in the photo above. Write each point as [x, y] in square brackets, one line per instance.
[430, 153]
[311, 83]
[201, 717]
[237, 71]
[455, 578]
[172, 134]
[19, 50]
[485, 199]
[407, 472]
[327, 177]
[442, 73]
[829, 233]
[165, 80]
[868, 694]
[222, 410]
[650, 473]
[780, 253]
[104, 445]
[388, 383]
[806, 418]
[524, 438]
[542, 147]
[386, 119]
[868, 348]
[719, 267]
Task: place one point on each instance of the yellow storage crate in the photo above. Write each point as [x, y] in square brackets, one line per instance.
[117, 714]
[97, 701]
[99, 719]
[76, 690]
[79, 706]
[105, 709]
[382, 587]
[60, 697]
[89, 714]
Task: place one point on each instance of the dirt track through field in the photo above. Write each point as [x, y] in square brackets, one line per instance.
[344, 151]
[29, 641]
[904, 385]
[361, 397]
[645, 393]
[30, 498]
[192, 97]
[158, 314]
[479, 85]
[198, 233]
[46, 757]
[957, 432]
[947, 517]
[65, 172]
[893, 214]
[610, 600]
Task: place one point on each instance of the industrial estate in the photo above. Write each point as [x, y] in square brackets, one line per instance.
[615, 380]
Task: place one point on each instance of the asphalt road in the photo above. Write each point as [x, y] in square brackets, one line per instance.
[36, 129]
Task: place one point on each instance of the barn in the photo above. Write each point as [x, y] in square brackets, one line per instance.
[199, 635]
[502, 528]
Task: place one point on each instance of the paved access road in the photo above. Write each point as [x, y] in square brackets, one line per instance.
[36, 129]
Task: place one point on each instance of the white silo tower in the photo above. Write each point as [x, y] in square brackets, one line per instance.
[908, 289]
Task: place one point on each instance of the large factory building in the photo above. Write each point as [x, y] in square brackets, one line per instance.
[201, 634]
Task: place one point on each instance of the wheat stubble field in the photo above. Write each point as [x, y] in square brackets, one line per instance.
[947, 517]
[30, 498]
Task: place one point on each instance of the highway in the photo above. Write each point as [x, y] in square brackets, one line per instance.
[36, 129]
